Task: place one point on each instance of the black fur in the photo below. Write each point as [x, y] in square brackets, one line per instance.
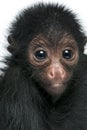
[22, 105]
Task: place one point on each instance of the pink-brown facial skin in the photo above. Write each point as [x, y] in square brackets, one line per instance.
[54, 71]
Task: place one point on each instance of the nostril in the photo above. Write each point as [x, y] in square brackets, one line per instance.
[52, 73]
[62, 73]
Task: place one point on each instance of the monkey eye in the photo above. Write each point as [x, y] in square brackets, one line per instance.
[40, 54]
[67, 54]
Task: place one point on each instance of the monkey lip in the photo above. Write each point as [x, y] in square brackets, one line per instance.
[58, 84]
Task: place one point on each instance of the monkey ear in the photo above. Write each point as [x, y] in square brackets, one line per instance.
[12, 43]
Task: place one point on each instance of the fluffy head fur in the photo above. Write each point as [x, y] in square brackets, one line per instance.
[45, 19]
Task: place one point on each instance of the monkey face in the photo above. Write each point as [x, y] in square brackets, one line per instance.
[53, 63]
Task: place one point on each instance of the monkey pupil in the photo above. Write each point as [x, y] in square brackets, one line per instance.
[40, 54]
[67, 54]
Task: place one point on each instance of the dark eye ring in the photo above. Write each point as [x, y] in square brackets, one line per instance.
[67, 54]
[40, 54]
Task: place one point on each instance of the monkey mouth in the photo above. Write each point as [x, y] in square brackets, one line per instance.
[56, 88]
[57, 85]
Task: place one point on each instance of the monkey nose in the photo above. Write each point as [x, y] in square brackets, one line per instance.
[57, 73]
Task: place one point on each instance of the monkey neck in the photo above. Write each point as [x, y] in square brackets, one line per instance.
[55, 98]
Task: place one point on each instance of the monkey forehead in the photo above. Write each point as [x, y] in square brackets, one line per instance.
[47, 40]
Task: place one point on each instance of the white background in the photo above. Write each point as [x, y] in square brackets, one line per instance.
[10, 8]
